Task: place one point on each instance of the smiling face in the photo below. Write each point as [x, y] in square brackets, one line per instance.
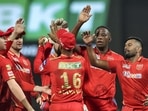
[102, 38]
[17, 43]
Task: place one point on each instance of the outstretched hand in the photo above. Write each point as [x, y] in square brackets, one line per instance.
[55, 26]
[39, 100]
[42, 40]
[19, 26]
[53, 30]
[87, 37]
[85, 14]
[61, 23]
[46, 89]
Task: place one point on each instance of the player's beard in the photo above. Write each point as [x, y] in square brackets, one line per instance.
[129, 55]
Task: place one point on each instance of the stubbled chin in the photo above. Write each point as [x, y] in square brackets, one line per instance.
[100, 45]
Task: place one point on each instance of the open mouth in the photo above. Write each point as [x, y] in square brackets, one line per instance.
[99, 42]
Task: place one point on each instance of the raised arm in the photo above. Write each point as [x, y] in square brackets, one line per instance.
[83, 17]
[88, 39]
[55, 26]
[42, 54]
[17, 29]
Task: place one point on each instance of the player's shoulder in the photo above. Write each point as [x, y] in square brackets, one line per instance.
[53, 57]
[144, 59]
[79, 58]
[4, 60]
[2, 57]
[24, 57]
[116, 55]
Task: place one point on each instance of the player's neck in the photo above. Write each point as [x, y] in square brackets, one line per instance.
[67, 52]
[16, 52]
[102, 50]
[133, 59]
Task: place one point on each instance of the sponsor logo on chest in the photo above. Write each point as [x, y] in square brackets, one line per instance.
[69, 65]
[128, 74]
[132, 72]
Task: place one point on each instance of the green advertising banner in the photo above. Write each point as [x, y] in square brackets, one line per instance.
[99, 11]
[10, 11]
[39, 13]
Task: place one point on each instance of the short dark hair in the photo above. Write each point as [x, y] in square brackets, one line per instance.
[102, 26]
[137, 39]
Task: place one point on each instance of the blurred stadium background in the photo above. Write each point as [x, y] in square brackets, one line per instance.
[123, 17]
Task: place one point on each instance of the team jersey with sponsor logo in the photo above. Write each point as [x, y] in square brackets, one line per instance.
[133, 78]
[23, 73]
[100, 83]
[66, 74]
[40, 60]
[5, 75]
[22, 67]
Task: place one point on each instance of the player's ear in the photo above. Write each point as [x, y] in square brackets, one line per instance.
[110, 39]
[139, 49]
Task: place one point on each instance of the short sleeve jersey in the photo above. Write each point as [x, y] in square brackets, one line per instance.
[133, 78]
[23, 73]
[100, 83]
[5, 75]
[22, 67]
[66, 74]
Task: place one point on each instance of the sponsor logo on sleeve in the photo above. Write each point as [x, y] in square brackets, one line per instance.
[8, 67]
[10, 73]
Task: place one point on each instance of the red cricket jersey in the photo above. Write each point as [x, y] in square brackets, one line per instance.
[23, 73]
[133, 78]
[66, 74]
[42, 54]
[100, 83]
[5, 75]
[39, 62]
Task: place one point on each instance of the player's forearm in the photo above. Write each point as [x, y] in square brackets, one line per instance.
[44, 89]
[12, 36]
[94, 61]
[26, 86]
[27, 105]
[15, 89]
[18, 93]
[38, 60]
[77, 27]
[37, 89]
[31, 87]
[47, 49]
[91, 55]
